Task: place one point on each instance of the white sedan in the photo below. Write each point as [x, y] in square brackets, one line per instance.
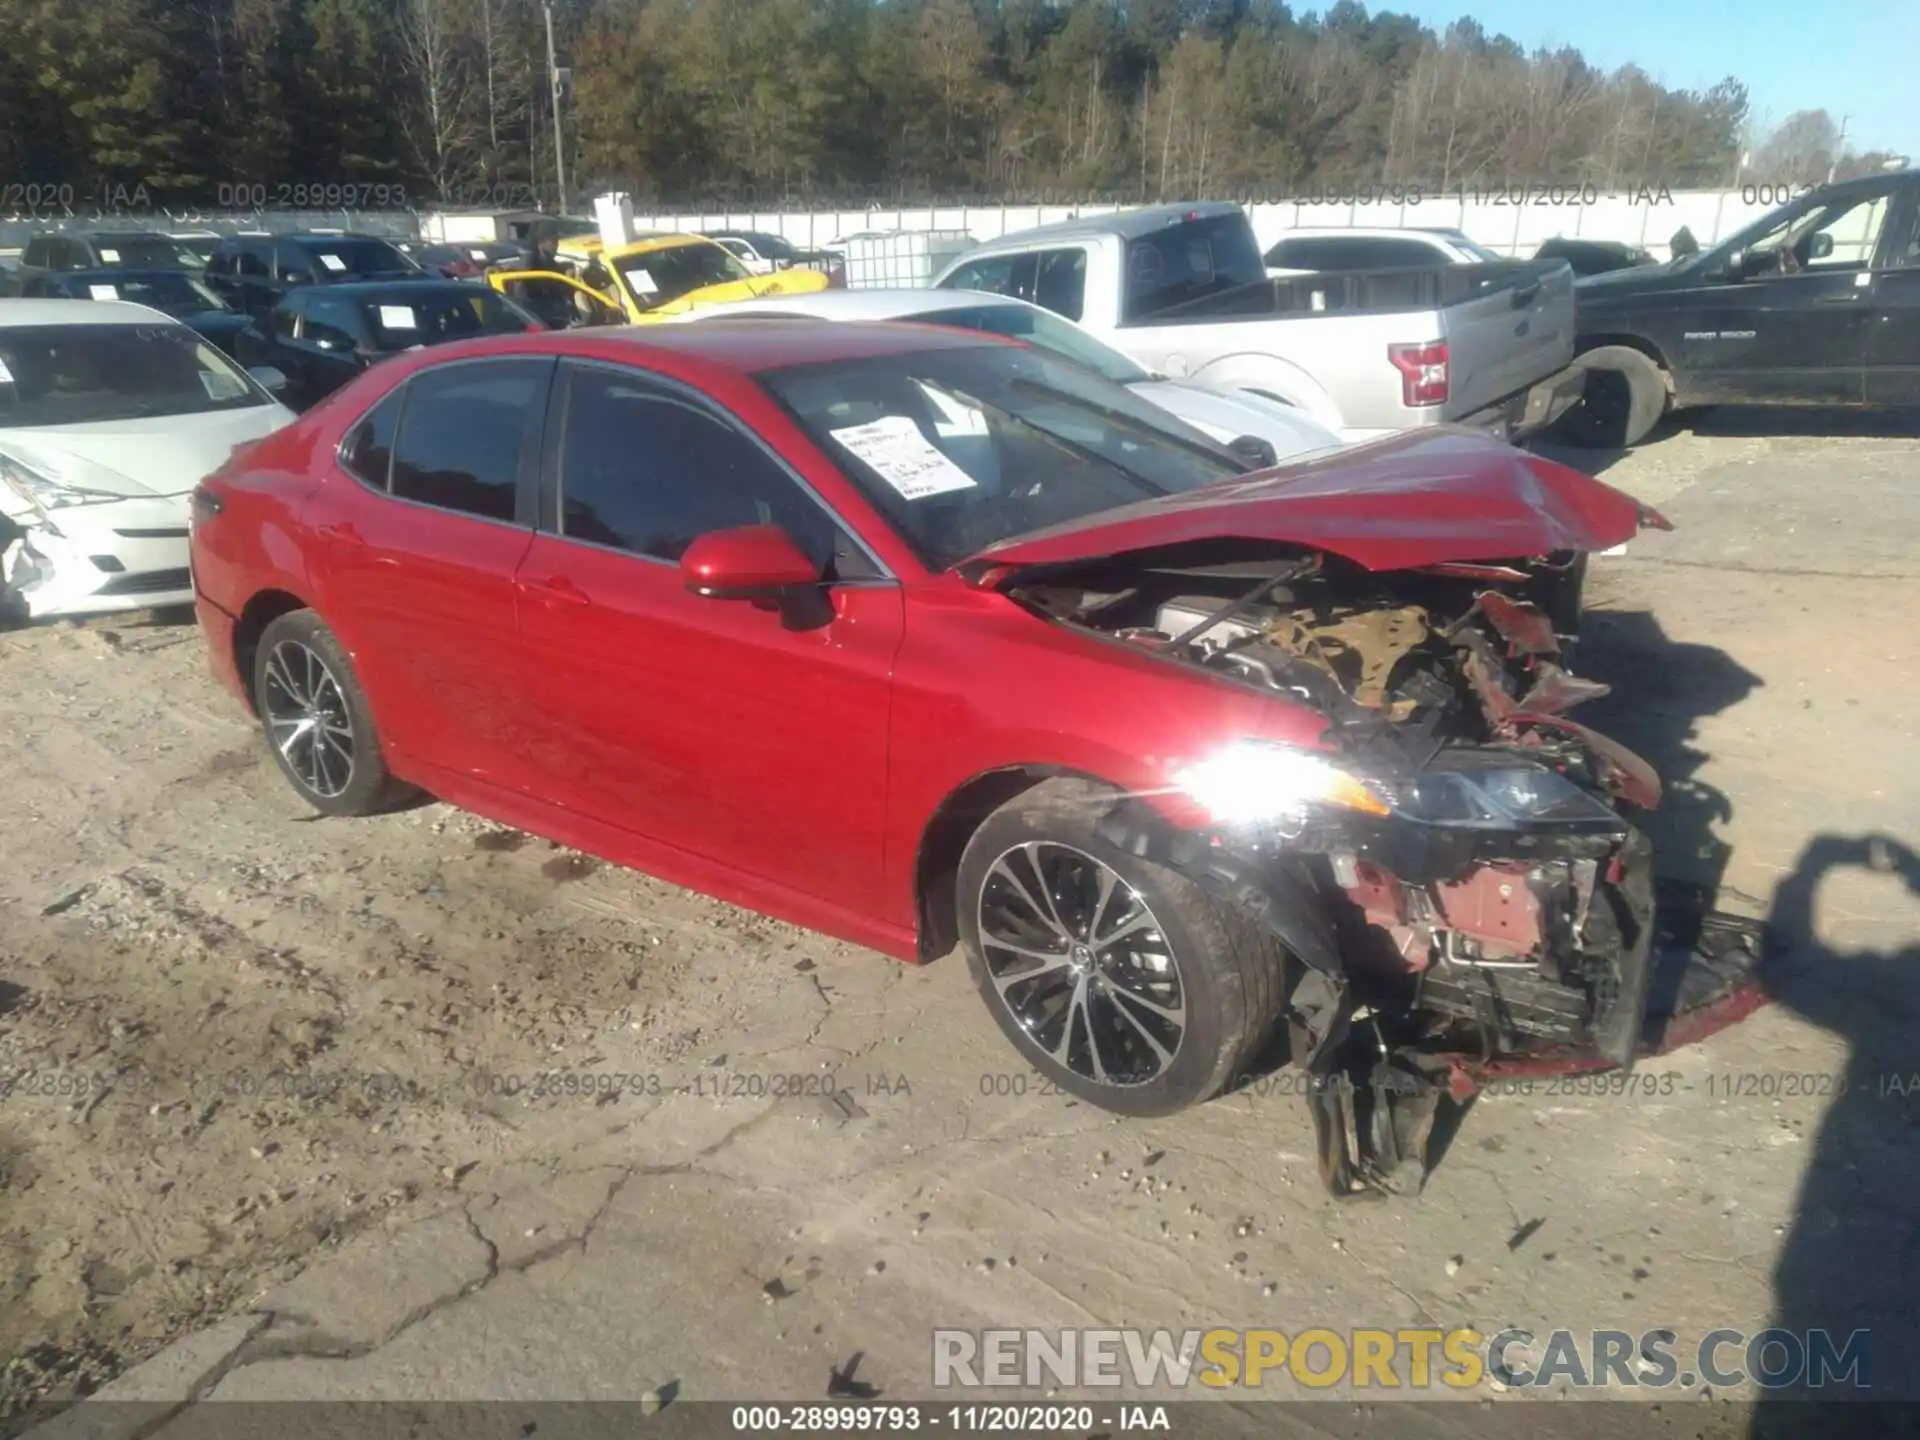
[1234, 418]
[110, 414]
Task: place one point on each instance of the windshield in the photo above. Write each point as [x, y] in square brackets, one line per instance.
[338, 259]
[1190, 260]
[199, 248]
[659, 276]
[173, 292]
[144, 252]
[963, 448]
[86, 374]
[404, 321]
[1048, 331]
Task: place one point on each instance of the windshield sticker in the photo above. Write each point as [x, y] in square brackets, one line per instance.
[894, 448]
[333, 263]
[110, 257]
[103, 292]
[220, 386]
[6, 375]
[397, 317]
[642, 282]
[477, 254]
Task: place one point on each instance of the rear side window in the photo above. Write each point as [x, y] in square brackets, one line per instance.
[252, 261]
[1060, 285]
[466, 429]
[1190, 261]
[367, 452]
[37, 251]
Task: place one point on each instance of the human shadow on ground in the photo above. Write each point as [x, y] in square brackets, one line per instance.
[1850, 1262]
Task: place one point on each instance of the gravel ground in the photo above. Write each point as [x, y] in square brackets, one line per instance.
[244, 1040]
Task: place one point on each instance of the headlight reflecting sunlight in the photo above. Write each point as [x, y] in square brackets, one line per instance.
[1252, 781]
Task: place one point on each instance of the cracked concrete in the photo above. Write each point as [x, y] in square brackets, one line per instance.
[738, 1232]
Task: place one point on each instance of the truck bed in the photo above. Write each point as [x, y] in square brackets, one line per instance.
[1364, 292]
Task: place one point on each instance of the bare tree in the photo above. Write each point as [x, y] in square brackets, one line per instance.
[438, 112]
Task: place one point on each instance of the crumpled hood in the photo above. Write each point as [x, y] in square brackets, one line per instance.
[1422, 497]
[168, 455]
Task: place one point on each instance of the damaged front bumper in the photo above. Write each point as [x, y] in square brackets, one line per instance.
[122, 555]
[1425, 952]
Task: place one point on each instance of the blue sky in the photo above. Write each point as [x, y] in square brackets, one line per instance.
[1853, 57]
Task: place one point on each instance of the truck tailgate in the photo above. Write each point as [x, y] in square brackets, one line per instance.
[1516, 328]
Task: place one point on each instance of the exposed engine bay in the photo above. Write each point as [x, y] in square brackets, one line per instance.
[1486, 894]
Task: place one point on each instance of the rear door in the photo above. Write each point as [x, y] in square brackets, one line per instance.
[422, 544]
[1517, 330]
[752, 735]
[1893, 337]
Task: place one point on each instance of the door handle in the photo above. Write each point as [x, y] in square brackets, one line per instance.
[558, 588]
[1851, 297]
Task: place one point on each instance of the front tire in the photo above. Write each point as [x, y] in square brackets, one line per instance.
[1626, 395]
[316, 720]
[1118, 978]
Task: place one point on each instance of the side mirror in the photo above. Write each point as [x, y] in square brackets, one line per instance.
[269, 378]
[746, 563]
[1734, 268]
[1820, 247]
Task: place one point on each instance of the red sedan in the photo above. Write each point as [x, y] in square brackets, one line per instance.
[920, 637]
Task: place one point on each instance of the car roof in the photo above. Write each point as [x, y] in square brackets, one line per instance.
[22, 313]
[1128, 224]
[740, 347]
[878, 304]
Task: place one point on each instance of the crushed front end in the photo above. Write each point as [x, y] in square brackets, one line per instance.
[1456, 868]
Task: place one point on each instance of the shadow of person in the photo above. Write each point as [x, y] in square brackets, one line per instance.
[1851, 1260]
[1661, 690]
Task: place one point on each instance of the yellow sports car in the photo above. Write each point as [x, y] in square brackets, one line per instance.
[657, 276]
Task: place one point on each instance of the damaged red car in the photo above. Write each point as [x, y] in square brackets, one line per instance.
[924, 638]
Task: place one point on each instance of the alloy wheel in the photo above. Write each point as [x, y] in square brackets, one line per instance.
[1079, 960]
[308, 720]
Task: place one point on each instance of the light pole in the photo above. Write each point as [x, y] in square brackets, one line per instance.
[553, 91]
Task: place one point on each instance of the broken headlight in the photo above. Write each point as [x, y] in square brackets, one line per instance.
[42, 491]
[1256, 782]
[1489, 790]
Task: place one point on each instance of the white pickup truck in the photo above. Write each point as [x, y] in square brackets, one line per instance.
[1184, 290]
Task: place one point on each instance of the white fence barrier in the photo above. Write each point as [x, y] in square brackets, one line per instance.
[1510, 225]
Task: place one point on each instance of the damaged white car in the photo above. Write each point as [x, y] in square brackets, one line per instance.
[109, 415]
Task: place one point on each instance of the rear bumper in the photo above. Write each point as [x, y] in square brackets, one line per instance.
[1529, 411]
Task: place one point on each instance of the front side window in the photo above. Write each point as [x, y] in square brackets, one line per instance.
[1840, 236]
[961, 448]
[331, 324]
[995, 275]
[464, 432]
[646, 472]
[88, 374]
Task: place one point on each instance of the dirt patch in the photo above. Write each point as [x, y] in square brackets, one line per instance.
[232, 1037]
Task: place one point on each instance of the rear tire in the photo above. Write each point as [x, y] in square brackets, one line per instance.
[1625, 397]
[1117, 978]
[316, 720]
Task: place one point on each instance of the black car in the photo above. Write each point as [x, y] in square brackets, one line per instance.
[1593, 257]
[178, 293]
[254, 272]
[321, 336]
[1817, 303]
[72, 251]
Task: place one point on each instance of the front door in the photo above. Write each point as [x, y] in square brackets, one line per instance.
[1792, 326]
[753, 735]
